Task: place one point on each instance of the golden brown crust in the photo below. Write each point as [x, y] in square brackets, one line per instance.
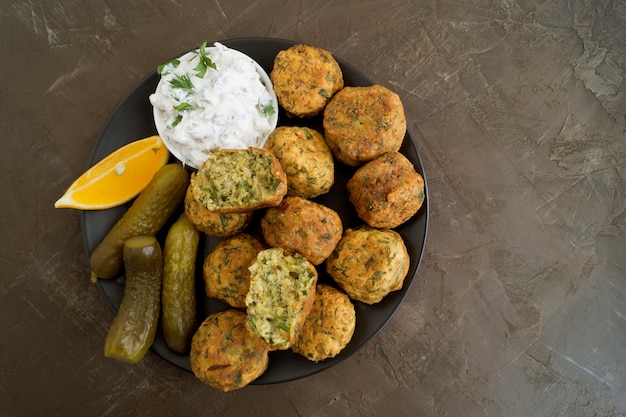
[239, 181]
[304, 226]
[369, 263]
[225, 272]
[213, 223]
[305, 158]
[386, 191]
[224, 354]
[329, 326]
[304, 78]
[361, 123]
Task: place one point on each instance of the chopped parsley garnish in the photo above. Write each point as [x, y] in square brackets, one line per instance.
[174, 62]
[177, 120]
[183, 106]
[267, 109]
[182, 81]
[205, 62]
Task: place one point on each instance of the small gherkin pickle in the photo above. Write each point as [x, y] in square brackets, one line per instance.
[178, 294]
[148, 213]
[134, 327]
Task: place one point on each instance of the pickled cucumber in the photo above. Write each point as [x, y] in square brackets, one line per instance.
[148, 213]
[134, 327]
[178, 294]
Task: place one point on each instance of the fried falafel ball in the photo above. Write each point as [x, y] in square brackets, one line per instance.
[369, 263]
[328, 327]
[212, 223]
[239, 181]
[281, 295]
[386, 191]
[304, 226]
[225, 271]
[361, 123]
[224, 354]
[305, 158]
[304, 78]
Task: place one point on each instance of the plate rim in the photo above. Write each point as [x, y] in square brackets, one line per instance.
[424, 211]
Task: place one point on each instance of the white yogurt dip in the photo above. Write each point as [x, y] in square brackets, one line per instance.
[221, 99]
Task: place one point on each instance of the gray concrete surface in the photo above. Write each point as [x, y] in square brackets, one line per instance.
[518, 110]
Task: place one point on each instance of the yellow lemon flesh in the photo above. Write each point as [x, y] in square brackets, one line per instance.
[117, 178]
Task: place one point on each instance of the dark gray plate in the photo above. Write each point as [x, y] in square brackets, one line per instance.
[132, 120]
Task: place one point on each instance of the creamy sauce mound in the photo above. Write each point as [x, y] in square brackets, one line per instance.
[220, 99]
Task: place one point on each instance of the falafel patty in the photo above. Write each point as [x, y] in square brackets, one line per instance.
[212, 223]
[224, 354]
[304, 226]
[386, 191]
[282, 291]
[305, 158]
[239, 180]
[305, 78]
[369, 263]
[225, 271]
[328, 327]
[361, 123]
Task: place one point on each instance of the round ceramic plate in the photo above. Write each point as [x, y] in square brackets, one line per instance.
[133, 119]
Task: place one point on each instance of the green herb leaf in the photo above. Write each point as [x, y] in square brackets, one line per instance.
[205, 62]
[182, 81]
[161, 67]
[200, 70]
[183, 106]
[177, 120]
[267, 109]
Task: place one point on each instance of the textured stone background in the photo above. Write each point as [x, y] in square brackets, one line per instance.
[518, 109]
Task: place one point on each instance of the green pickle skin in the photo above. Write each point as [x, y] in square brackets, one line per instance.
[135, 325]
[146, 216]
[178, 296]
